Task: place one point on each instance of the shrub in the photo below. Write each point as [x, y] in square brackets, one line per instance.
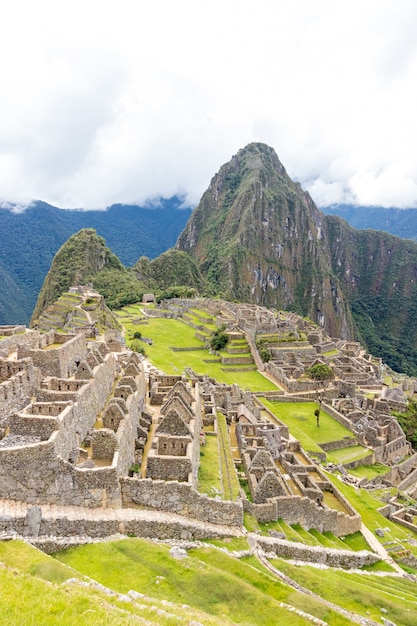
[218, 339]
[136, 346]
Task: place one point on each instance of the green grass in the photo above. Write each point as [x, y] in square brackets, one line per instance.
[31, 561]
[369, 471]
[299, 417]
[209, 480]
[229, 543]
[356, 541]
[366, 505]
[348, 454]
[167, 333]
[210, 580]
[34, 593]
[362, 594]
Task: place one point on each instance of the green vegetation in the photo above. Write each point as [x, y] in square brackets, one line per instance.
[408, 422]
[209, 480]
[219, 339]
[365, 595]
[320, 372]
[299, 417]
[137, 346]
[209, 580]
[263, 350]
[82, 259]
[168, 334]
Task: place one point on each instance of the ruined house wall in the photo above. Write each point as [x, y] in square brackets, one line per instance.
[127, 432]
[407, 482]
[32, 472]
[32, 426]
[11, 344]
[181, 498]
[16, 391]
[59, 361]
[169, 467]
[396, 449]
[401, 471]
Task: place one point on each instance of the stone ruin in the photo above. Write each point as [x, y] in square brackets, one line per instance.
[79, 420]
[63, 405]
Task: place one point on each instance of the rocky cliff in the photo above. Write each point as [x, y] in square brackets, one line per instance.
[258, 237]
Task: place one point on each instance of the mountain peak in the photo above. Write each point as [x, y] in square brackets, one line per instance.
[259, 237]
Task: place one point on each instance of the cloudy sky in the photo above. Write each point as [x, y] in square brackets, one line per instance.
[105, 101]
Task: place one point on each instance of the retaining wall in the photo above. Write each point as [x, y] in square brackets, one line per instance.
[317, 554]
[180, 498]
[307, 513]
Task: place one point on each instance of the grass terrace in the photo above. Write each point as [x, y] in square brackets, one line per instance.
[170, 334]
[347, 455]
[226, 588]
[362, 594]
[300, 418]
[369, 471]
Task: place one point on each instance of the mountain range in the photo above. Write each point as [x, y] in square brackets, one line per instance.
[31, 238]
[256, 236]
[400, 222]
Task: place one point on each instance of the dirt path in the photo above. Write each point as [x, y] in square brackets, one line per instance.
[380, 550]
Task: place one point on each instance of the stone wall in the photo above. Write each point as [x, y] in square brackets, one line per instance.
[342, 419]
[402, 470]
[317, 554]
[167, 467]
[17, 389]
[180, 498]
[10, 344]
[39, 472]
[59, 361]
[307, 513]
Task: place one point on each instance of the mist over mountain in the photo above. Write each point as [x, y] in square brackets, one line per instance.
[30, 240]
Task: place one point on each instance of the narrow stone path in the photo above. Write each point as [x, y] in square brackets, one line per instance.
[379, 549]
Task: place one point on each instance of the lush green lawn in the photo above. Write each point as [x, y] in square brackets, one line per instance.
[34, 593]
[168, 333]
[369, 471]
[347, 455]
[365, 595]
[209, 580]
[300, 418]
[209, 480]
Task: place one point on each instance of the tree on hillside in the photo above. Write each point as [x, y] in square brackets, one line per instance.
[321, 373]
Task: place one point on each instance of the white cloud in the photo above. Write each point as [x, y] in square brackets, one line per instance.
[118, 102]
